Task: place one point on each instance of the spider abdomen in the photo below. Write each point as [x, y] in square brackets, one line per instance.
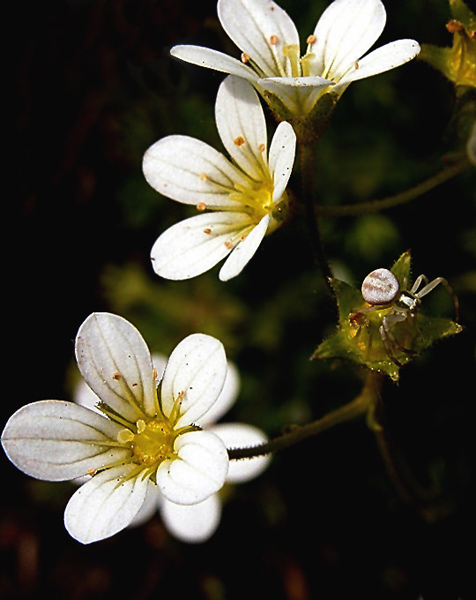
[380, 287]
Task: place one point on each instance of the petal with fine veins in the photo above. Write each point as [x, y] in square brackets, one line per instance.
[190, 171]
[56, 440]
[194, 523]
[193, 378]
[212, 59]
[345, 31]
[198, 472]
[298, 94]
[281, 158]
[241, 125]
[226, 399]
[197, 244]
[106, 504]
[244, 251]
[115, 361]
[252, 24]
[383, 59]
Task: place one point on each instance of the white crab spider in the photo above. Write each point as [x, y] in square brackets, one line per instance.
[381, 289]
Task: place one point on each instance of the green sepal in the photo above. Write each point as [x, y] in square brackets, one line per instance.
[358, 338]
[458, 63]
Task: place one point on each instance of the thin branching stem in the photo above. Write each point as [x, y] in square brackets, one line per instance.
[356, 408]
[348, 210]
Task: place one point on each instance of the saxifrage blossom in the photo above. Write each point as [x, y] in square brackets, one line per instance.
[271, 55]
[146, 436]
[246, 196]
[196, 523]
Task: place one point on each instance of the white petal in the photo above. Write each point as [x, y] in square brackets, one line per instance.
[84, 396]
[57, 441]
[298, 94]
[152, 501]
[226, 399]
[197, 244]
[244, 251]
[160, 362]
[345, 31]
[191, 172]
[105, 505]
[251, 24]
[241, 435]
[193, 379]
[115, 361]
[194, 523]
[212, 59]
[198, 472]
[383, 59]
[281, 158]
[242, 126]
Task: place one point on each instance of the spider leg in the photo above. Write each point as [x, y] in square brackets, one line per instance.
[389, 341]
[432, 285]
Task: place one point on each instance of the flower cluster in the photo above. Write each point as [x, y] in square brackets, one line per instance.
[147, 437]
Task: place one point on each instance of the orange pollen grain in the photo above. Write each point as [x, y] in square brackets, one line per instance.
[311, 39]
[244, 57]
[273, 40]
[239, 141]
[207, 230]
[229, 245]
[261, 147]
[201, 206]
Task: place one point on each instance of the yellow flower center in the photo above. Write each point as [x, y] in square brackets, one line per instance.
[152, 443]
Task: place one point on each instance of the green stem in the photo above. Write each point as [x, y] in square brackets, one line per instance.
[307, 165]
[359, 406]
[402, 198]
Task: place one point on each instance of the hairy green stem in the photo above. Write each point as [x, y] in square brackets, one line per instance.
[402, 198]
[359, 406]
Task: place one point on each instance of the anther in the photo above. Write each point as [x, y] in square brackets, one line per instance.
[262, 147]
[239, 141]
[273, 40]
[311, 39]
[454, 26]
[207, 231]
[203, 176]
[244, 57]
[201, 206]
[228, 245]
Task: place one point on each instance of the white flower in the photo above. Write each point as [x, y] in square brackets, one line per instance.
[196, 523]
[247, 194]
[145, 438]
[271, 56]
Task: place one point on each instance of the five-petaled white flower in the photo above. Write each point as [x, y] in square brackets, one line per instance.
[271, 57]
[146, 436]
[196, 523]
[247, 194]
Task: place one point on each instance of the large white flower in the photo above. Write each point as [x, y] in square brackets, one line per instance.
[196, 523]
[247, 194]
[271, 56]
[143, 439]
